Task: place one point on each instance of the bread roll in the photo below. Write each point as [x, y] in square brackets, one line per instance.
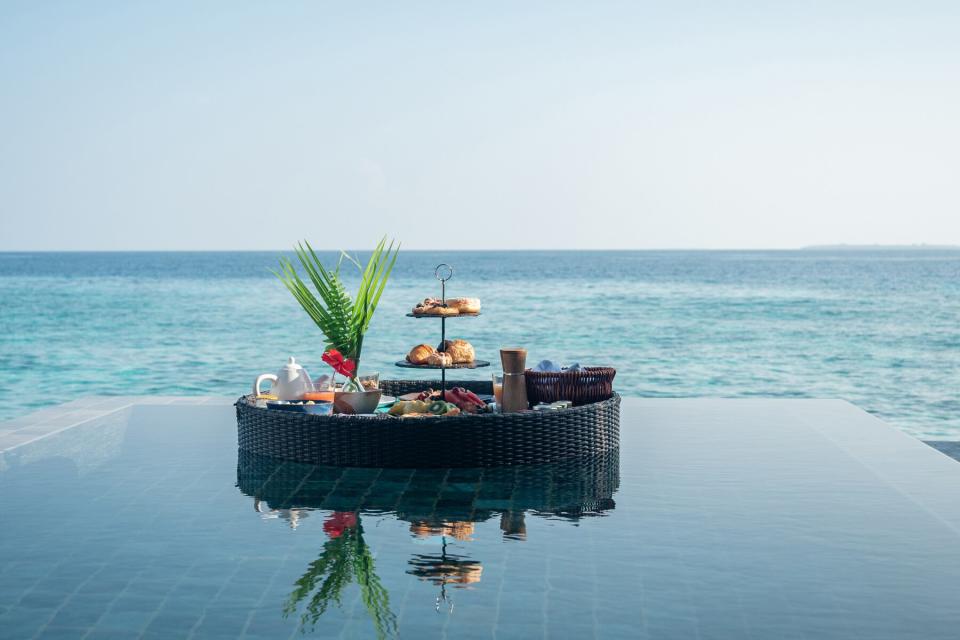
[460, 351]
[439, 359]
[465, 305]
[420, 353]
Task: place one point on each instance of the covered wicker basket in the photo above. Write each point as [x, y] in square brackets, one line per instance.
[593, 384]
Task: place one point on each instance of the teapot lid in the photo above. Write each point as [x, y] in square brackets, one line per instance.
[292, 365]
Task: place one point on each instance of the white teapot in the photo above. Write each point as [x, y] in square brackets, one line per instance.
[290, 383]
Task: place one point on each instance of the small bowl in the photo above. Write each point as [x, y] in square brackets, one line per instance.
[356, 401]
[317, 408]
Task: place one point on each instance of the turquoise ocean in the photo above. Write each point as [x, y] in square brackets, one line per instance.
[880, 328]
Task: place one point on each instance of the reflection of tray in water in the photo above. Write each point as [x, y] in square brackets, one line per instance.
[445, 569]
[570, 489]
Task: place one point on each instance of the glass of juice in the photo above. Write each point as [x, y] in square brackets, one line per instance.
[497, 387]
[321, 391]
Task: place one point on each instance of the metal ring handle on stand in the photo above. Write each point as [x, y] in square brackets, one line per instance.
[442, 268]
[438, 271]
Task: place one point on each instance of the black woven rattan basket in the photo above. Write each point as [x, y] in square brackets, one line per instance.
[483, 440]
[592, 384]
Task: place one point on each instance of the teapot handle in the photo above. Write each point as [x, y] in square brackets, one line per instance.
[261, 378]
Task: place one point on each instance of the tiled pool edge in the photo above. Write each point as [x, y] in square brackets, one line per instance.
[40, 424]
[52, 420]
[947, 447]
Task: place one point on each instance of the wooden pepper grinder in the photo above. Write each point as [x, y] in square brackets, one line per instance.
[514, 362]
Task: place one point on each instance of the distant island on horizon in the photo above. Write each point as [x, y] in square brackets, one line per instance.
[882, 247]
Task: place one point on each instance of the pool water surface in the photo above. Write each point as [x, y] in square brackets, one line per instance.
[739, 520]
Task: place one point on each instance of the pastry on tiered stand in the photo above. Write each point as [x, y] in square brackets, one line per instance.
[453, 352]
[453, 307]
[439, 359]
[460, 351]
[420, 353]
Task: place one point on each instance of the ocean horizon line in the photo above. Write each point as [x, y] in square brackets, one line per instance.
[853, 248]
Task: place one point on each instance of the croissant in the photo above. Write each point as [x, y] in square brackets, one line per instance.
[460, 351]
[420, 353]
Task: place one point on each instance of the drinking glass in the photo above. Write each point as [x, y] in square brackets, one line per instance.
[320, 391]
[497, 387]
[370, 381]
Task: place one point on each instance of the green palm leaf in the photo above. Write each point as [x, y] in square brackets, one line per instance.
[343, 319]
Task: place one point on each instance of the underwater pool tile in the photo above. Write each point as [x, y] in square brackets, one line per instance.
[108, 634]
[42, 601]
[135, 604]
[269, 626]
[608, 629]
[100, 585]
[72, 615]
[519, 630]
[24, 623]
[171, 623]
[54, 632]
[226, 616]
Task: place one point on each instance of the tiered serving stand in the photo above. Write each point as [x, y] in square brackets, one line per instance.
[443, 272]
[465, 440]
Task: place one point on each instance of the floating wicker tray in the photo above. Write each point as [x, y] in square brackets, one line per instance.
[483, 440]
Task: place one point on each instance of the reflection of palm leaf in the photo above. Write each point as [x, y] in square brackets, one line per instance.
[308, 582]
[374, 595]
[344, 559]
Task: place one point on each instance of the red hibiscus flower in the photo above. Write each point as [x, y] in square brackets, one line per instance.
[341, 365]
[338, 522]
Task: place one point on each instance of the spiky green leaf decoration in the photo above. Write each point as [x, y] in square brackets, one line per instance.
[343, 319]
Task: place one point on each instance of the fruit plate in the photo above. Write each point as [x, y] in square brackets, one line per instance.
[416, 395]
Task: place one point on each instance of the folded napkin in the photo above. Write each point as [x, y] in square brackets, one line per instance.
[546, 365]
[550, 366]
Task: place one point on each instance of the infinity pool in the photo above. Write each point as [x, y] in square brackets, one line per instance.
[716, 519]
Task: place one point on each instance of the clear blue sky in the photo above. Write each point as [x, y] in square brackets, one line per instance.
[249, 125]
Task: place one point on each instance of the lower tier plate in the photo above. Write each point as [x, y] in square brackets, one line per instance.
[462, 365]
